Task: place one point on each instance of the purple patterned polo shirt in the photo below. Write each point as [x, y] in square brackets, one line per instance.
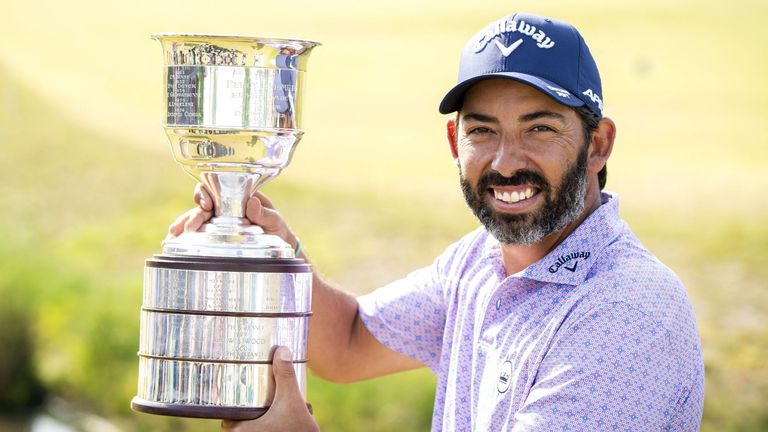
[597, 335]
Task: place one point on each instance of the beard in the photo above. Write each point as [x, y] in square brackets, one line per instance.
[560, 207]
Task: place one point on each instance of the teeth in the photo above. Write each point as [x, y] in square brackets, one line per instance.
[513, 197]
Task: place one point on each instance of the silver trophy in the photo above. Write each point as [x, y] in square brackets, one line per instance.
[218, 301]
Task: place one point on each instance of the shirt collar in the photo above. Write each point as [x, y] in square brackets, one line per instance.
[571, 260]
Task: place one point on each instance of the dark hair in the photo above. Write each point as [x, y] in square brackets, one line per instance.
[589, 122]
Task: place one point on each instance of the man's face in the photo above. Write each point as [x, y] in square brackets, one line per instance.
[523, 160]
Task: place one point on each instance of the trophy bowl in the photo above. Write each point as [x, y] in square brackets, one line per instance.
[218, 301]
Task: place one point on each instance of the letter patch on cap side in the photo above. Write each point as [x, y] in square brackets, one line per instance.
[594, 97]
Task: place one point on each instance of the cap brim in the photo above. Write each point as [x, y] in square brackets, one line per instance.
[453, 99]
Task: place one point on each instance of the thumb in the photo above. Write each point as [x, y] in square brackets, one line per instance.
[260, 214]
[287, 391]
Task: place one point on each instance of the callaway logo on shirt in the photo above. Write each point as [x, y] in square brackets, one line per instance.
[564, 261]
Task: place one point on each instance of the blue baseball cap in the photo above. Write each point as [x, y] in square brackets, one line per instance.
[546, 54]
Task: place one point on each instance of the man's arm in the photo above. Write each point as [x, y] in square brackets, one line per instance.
[341, 349]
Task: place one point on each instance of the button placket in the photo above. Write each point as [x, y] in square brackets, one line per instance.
[494, 312]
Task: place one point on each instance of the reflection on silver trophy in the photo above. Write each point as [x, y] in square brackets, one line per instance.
[217, 301]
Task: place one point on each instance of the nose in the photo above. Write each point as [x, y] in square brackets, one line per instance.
[509, 157]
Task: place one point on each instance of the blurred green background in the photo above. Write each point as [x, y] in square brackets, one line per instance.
[88, 185]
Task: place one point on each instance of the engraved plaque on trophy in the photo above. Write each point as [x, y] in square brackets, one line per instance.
[218, 301]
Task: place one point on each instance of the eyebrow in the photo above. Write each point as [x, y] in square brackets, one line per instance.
[484, 118]
[541, 114]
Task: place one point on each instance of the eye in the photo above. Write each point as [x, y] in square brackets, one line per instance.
[478, 130]
[542, 128]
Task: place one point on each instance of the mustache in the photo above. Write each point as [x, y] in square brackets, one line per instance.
[520, 177]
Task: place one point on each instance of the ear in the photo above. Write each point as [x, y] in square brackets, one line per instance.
[601, 145]
[450, 131]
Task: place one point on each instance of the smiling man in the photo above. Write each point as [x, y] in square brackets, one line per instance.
[551, 315]
[524, 161]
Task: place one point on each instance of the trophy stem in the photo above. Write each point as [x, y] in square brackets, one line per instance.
[230, 192]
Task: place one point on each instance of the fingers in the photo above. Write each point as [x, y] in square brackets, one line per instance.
[196, 219]
[203, 198]
[177, 227]
[193, 219]
[190, 221]
[259, 210]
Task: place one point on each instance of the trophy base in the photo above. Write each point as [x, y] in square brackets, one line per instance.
[209, 326]
[199, 411]
[196, 411]
[229, 241]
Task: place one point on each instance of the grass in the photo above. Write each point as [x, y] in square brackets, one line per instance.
[89, 185]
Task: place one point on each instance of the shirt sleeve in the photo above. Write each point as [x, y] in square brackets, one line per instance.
[613, 369]
[408, 315]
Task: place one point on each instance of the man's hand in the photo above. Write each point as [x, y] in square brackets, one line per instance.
[194, 218]
[288, 412]
[258, 210]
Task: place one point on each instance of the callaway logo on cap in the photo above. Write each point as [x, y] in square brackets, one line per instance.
[547, 54]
